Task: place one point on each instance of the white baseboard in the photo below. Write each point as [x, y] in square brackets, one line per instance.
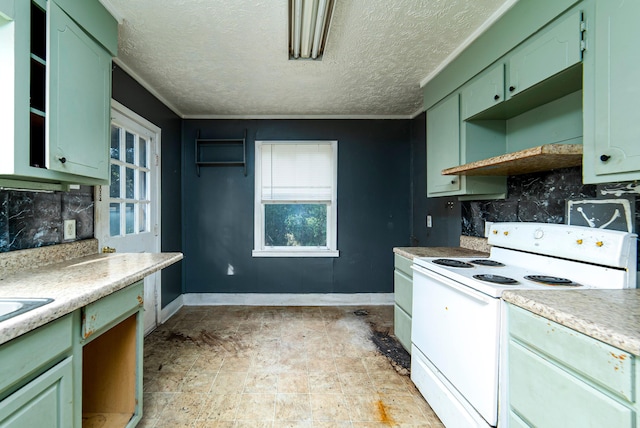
[267, 299]
[171, 309]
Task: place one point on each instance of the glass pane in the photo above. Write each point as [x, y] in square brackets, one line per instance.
[114, 219]
[130, 219]
[114, 187]
[142, 220]
[142, 148]
[130, 141]
[142, 182]
[115, 142]
[303, 225]
[130, 189]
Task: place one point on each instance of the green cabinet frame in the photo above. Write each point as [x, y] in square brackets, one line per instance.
[403, 296]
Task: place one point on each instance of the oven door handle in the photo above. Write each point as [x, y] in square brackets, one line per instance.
[462, 289]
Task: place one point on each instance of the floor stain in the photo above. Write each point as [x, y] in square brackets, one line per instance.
[383, 415]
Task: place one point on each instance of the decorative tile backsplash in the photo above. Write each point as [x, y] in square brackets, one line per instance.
[541, 197]
[35, 219]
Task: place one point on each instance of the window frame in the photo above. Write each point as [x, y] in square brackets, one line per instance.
[262, 250]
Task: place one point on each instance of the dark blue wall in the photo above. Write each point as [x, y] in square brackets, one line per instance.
[130, 93]
[373, 210]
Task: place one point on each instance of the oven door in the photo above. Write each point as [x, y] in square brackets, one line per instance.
[457, 329]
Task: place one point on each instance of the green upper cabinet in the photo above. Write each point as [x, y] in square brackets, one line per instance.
[484, 92]
[55, 120]
[611, 93]
[443, 146]
[447, 146]
[82, 67]
[548, 53]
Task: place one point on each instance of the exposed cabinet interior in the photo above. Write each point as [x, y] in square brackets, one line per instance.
[109, 377]
[37, 90]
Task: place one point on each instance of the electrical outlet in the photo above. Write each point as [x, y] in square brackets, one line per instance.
[429, 221]
[69, 230]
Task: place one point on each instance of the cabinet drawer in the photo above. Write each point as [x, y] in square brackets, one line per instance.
[104, 312]
[403, 264]
[545, 55]
[603, 364]
[23, 356]
[402, 327]
[563, 400]
[403, 290]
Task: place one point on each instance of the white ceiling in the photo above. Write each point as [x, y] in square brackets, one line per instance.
[228, 58]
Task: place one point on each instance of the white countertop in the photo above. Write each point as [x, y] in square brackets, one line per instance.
[611, 316]
[73, 284]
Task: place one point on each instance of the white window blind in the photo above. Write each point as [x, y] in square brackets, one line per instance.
[297, 172]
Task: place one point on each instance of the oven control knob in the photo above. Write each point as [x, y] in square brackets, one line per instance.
[495, 232]
[599, 244]
[579, 241]
[506, 232]
[538, 233]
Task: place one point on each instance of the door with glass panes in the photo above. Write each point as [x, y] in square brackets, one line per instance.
[127, 210]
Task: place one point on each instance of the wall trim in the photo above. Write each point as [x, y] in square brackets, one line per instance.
[171, 309]
[276, 299]
[301, 116]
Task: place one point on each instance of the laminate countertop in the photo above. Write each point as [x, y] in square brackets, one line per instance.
[411, 252]
[611, 316]
[73, 284]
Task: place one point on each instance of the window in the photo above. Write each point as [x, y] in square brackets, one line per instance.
[295, 199]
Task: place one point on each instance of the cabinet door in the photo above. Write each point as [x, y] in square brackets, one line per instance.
[484, 92]
[544, 55]
[79, 104]
[545, 395]
[613, 77]
[47, 401]
[443, 145]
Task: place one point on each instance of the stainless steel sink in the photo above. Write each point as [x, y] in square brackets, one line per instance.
[10, 307]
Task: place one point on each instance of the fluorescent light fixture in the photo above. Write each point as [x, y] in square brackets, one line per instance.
[308, 27]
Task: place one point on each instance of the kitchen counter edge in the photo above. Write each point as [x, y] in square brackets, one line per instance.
[611, 316]
[74, 284]
[412, 252]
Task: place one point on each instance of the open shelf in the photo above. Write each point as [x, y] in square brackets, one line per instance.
[535, 159]
[221, 152]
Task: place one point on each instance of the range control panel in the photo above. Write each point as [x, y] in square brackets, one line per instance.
[600, 246]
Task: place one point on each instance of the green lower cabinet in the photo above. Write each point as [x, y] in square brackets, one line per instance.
[558, 377]
[45, 402]
[403, 296]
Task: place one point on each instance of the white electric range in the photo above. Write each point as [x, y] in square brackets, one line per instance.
[457, 311]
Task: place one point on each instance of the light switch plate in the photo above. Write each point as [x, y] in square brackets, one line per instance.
[69, 230]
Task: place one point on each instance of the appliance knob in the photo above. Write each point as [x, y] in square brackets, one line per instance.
[579, 241]
[599, 244]
[495, 232]
[506, 232]
[538, 233]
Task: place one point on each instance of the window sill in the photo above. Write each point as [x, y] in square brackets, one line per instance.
[298, 253]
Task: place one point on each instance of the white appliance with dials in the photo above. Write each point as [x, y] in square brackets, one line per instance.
[457, 310]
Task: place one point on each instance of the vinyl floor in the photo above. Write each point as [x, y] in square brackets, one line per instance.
[247, 366]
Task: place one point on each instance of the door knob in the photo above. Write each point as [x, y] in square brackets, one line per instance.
[512, 88]
[605, 158]
[496, 97]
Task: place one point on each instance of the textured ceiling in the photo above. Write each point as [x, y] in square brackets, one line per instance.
[215, 58]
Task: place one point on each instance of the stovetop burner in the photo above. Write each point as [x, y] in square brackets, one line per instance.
[487, 262]
[551, 280]
[496, 279]
[452, 263]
